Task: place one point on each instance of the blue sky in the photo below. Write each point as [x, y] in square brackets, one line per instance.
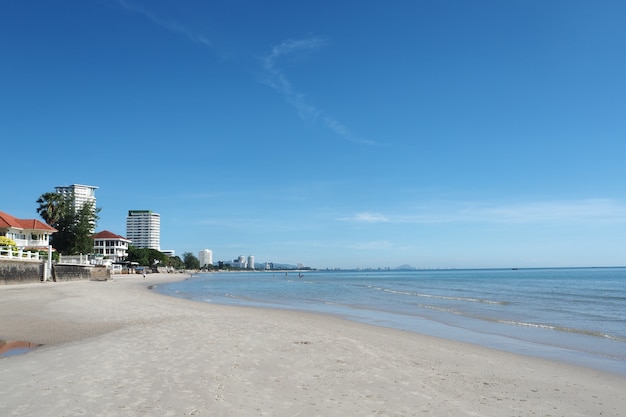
[440, 134]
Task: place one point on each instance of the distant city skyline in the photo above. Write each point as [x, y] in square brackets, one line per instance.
[436, 134]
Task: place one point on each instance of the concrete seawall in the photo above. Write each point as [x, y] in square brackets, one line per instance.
[24, 272]
[20, 272]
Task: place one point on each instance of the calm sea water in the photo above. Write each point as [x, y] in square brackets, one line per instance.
[573, 315]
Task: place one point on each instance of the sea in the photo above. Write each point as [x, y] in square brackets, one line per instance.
[573, 315]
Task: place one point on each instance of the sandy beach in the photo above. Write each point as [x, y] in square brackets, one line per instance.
[116, 348]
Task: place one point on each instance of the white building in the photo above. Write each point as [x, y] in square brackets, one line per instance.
[82, 194]
[143, 228]
[250, 262]
[239, 262]
[169, 252]
[205, 257]
[110, 245]
[26, 233]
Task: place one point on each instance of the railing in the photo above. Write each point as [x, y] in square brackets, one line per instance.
[74, 260]
[18, 254]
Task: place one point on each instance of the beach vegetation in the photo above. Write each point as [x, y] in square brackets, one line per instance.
[191, 261]
[74, 225]
[147, 257]
[176, 263]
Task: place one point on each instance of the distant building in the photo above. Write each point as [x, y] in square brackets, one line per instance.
[239, 263]
[110, 245]
[26, 233]
[143, 228]
[205, 257]
[250, 262]
[169, 252]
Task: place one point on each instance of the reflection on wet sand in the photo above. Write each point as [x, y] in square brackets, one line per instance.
[15, 347]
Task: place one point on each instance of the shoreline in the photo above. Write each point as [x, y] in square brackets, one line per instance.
[119, 348]
[565, 345]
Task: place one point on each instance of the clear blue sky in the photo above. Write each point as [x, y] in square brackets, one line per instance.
[336, 134]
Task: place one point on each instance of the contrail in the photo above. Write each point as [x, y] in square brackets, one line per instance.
[170, 25]
[276, 80]
[279, 82]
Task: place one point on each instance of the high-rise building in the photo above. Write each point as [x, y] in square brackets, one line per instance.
[205, 257]
[82, 194]
[143, 228]
[250, 262]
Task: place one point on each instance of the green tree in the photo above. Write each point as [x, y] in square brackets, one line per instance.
[146, 257]
[74, 227]
[175, 262]
[191, 261]
[52, 207]
[84, 225]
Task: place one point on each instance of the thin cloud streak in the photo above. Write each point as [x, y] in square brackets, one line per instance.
[168, 24]
[276, 80]
[306, 111]
[589, 210]
[281, 84]
[367, 217]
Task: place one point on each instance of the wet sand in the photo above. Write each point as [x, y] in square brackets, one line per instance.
[115, 348]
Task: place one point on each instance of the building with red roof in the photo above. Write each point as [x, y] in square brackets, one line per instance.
[29, 234]
[110, 246]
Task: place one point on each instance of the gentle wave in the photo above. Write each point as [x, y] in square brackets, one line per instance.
[563, 329]
[500, 321]
[440, 297]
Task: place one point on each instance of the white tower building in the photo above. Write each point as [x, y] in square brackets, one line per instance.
[205, 257]
[250, 262]
[143, 228]
[82, 194]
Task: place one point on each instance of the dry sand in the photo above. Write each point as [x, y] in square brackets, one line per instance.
[116, 348]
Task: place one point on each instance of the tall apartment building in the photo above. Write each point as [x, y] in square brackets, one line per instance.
[143, 228]
[82, 194]
[205, 257]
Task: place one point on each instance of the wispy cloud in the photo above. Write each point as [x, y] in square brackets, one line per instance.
[367, 217]
[588, 210]
[279, 82]
[167, 23]
[275, 77]
[602, 210]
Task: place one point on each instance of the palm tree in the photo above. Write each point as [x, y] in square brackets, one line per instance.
[51, 207]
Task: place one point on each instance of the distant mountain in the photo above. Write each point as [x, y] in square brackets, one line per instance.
[406, 267]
